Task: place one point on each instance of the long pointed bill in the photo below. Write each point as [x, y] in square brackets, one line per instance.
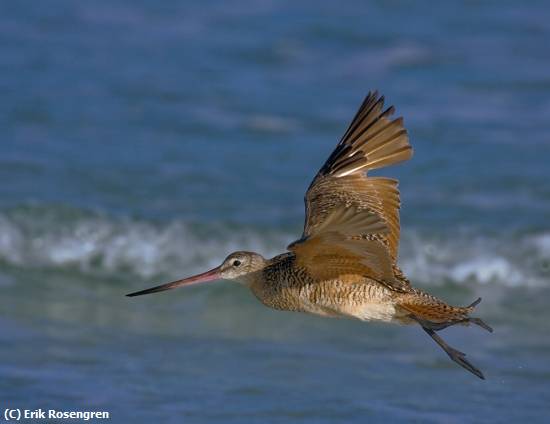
[213, 274]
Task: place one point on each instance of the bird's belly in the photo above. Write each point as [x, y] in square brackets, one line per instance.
[376, 312]
[355, 297]
[368, 311]
[364, 301]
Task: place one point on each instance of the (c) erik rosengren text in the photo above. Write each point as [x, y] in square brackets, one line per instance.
[18, 414]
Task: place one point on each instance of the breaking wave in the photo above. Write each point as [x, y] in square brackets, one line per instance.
[523, 260]
[99, 244]
[95, 243]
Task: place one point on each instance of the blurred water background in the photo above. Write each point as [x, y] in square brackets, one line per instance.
[142, 141]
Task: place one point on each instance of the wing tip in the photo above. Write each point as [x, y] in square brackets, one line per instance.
[374, 136]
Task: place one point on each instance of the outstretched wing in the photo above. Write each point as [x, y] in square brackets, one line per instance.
[352, 221]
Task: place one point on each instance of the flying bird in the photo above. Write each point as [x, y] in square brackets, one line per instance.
[345, 262]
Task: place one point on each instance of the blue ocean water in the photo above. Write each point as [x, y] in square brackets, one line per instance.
[143, 141]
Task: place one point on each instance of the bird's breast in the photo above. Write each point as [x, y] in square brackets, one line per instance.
[348, 296]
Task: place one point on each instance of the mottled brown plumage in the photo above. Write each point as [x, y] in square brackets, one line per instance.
[345, 263]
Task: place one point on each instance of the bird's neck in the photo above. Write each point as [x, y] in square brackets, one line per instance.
[256, 274]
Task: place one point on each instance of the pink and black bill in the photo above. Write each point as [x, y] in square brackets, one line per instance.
[213, 274]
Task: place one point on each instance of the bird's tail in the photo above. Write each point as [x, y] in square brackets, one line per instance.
[433, 315]
[436, 314]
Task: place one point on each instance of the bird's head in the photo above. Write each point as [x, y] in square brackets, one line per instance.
[239, 266]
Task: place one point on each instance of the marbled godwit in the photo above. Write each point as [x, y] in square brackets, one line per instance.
[345, 263]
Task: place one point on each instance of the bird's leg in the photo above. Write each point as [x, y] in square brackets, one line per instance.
[456, 355]
[442, 325]
[481, 323]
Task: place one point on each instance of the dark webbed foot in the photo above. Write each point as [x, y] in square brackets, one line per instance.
[456, 355]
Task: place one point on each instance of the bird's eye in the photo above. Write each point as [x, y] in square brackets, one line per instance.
[236, 263]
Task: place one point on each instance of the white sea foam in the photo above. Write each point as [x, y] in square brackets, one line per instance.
[542, 243]
[99, 244]
[522, 261]
[11, 241]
